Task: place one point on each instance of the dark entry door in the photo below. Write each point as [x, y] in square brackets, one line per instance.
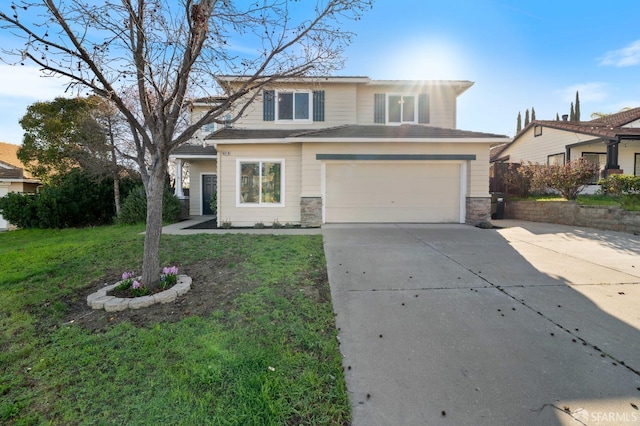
[209, 183]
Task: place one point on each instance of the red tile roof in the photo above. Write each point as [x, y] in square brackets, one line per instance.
[607, 127]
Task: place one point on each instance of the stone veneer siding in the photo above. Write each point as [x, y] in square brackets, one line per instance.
[572, 214]
[310, 212]
[478, 209]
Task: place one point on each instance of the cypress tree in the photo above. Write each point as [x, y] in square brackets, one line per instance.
[526, 118]
[577, 111]
[533, 114]
[572, 114]
[519, 123]
[557, 117]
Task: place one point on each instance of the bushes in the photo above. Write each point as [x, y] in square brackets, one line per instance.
[625, 188]
[73, 200]
[621, 185]
[568, 179]
[134, 208]
[77, 200]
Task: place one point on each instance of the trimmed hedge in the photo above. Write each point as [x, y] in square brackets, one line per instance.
[73, 200]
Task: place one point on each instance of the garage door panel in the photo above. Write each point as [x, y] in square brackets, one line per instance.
[382, 215]
[392, 192]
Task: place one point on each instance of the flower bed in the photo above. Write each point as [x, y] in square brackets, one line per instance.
[111, 300]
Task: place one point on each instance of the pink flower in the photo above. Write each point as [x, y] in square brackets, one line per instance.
[173, 270]
[127, 275]
[136, 285]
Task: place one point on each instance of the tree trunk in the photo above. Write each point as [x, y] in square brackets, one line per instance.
[114, 165]
[154, 188]
[116, 192]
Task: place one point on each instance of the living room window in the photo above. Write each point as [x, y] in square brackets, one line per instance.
[260, 182]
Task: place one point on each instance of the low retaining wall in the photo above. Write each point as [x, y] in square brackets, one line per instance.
[572, 214]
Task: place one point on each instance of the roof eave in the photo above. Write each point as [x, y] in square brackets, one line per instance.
[192, 156]
[303, 139]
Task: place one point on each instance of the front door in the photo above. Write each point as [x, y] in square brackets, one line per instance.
[209, 183]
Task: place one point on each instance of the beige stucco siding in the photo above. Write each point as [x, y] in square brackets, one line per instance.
[339, 108]
[477, 170]
[597, 147]
[196, 169]
[353, 104]
[626, 155]
[249, 215]
[442, 102]
[4, 190]
[536, 149]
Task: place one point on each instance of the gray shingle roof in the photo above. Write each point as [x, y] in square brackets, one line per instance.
[354, 131]
[188, 149]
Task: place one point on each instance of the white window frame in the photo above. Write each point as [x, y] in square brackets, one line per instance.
[601, 164]
[260, 161]
[552, 159]
[293, 119]
[415, 108]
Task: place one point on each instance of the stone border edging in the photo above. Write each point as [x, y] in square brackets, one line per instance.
[101, 300]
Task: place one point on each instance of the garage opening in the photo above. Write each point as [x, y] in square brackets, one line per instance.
[390, 191]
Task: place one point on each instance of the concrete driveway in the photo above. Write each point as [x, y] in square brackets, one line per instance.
[532, 324]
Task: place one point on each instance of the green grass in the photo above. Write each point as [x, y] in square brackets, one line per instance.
[631, 203]
[271, 359]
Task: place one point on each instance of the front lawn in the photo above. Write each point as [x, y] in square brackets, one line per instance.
[253, 342]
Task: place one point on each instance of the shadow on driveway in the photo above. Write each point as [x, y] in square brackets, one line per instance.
[455, 325]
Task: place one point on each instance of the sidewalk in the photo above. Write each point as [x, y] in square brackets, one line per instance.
[179, 229]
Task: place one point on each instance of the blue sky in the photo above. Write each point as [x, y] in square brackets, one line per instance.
[520, 54]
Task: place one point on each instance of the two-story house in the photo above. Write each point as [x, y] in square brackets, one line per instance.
[343, 149]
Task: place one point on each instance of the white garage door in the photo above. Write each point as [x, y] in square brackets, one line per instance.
[392, 192]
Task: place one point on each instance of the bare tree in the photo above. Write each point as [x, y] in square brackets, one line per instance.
[163, 52]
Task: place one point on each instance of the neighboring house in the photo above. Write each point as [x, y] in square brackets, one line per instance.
[612, 142]
[342, 149]
[13, 177]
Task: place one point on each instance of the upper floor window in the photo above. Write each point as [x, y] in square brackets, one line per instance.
[209, 128]
[293, 105]
[398, 109]
[402, 109]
